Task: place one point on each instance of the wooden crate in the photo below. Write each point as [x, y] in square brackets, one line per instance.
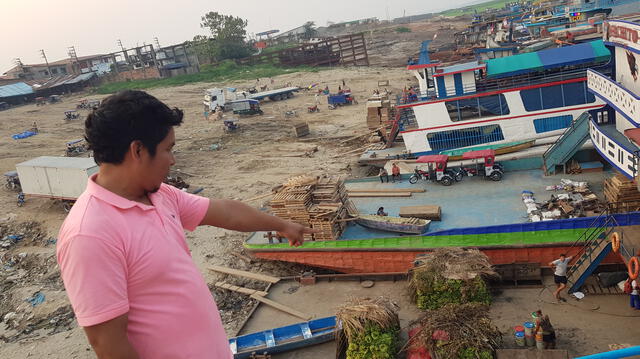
[301, 129]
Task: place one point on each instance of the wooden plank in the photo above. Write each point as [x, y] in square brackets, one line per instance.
[241, 273]
[281, 307]
[243, 290]
[374, 190]
[380, 194]
[431, 212]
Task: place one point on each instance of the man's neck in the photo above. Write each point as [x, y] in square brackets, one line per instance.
[118, 179]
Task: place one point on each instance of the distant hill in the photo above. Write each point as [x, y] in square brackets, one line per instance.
[477, 5]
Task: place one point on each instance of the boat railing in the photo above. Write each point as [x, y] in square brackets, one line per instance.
[505, 83]
[601, 225]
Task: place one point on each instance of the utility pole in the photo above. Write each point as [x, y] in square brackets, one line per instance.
[46, 62]
[157, 42]
[124, 51]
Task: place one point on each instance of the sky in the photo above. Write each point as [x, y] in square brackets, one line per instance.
[92, 27]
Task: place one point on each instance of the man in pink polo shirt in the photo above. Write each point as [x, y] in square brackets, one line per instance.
[122, 251]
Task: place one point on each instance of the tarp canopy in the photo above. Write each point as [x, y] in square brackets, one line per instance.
[16, 89]
[478, 154]
[588, 52]
[432, 158]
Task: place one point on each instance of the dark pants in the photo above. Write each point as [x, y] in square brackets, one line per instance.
[635, 301]
[382, 178]
[395, 177]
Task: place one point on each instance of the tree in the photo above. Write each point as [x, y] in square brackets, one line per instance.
[227, 40]
[309, 30]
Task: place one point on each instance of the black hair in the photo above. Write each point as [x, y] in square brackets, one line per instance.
[562, 255]
[125, 117]
[381, 209]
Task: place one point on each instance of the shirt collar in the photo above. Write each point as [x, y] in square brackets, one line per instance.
[113, 199]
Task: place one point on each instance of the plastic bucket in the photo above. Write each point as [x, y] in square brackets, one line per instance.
[539, 341]
[520, 341]
[530, 340]
[528, 328]
[518, 328]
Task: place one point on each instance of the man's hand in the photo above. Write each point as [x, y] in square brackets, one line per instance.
[295, 232]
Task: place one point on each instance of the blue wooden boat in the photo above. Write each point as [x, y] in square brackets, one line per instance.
[282, 339]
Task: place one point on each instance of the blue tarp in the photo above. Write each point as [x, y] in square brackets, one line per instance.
[17, 89]
[588, 52]
[25, 134]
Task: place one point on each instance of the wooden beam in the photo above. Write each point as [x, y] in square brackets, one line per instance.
[379, 194]
[243, 290]
[241, 273]
[259, 197]
[390, 190]
[281, 307]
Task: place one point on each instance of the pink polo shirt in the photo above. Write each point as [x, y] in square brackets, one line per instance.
[118, 256]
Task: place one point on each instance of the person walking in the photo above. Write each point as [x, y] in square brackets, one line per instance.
[560, 275]
[383, 174]
[635, 294]
[122, 252]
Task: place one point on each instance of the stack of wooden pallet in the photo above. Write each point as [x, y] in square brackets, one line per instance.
[620, 189]
[316, 202]
[301, 129]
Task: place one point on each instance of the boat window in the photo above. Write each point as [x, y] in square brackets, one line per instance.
[552, 123]
[477, 107]
[445, 140]
[544, 98]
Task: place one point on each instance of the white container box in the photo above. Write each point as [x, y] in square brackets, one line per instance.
[56, 177]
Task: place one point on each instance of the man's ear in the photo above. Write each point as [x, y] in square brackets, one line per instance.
[135, 149]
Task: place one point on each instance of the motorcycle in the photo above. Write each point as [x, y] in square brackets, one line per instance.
[417, 175]
[312, 109]
[20, 199]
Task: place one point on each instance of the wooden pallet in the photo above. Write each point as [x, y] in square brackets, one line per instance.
[620, 189]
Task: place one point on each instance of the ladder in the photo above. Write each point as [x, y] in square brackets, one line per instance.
[567, 144]
[595, 246]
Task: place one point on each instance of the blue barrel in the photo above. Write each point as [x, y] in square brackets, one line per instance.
[520, 339]
[528, 328]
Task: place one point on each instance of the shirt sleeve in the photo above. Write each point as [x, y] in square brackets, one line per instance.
[94, 273]
[191, 208]
[556, 262]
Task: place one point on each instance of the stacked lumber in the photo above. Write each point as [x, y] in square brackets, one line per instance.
[316, 202]
[379, 113]
[620, 189]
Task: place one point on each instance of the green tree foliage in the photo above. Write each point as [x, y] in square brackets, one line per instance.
[227, 39]
[309, 30]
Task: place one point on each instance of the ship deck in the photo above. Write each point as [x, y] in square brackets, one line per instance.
[612, 132]
[473, 202]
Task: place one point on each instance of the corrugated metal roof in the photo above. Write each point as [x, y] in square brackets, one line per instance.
[60, 162]
[80, 78]
[16, 89]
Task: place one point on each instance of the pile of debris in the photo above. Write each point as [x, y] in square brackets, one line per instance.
[32, 297]
[176, 181]
[316, 202]
[576, 201]
[457, 331]
[451, 275]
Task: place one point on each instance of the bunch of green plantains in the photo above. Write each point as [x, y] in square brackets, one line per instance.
[370, 329]
[451, 275]
[462, 331]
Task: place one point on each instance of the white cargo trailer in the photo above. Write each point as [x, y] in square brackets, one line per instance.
[62, 178]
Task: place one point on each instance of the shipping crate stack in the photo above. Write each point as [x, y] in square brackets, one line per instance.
[314, 202]
[379, 113]
[619, 190]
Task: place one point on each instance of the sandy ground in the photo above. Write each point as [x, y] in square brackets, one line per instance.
[261, 154]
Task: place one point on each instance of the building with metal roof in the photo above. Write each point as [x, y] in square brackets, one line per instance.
[17, 93]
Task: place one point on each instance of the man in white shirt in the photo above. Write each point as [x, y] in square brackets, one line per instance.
[560, 275]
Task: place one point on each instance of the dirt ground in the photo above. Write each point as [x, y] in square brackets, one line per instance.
[260, 155]
[241, 165]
